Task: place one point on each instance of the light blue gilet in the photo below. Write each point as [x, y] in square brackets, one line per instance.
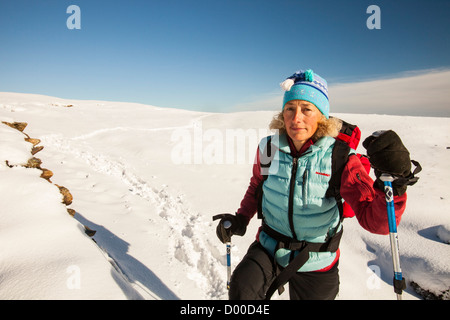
[314, 215]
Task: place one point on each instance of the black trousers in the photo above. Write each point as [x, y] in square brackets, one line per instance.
[254, 274]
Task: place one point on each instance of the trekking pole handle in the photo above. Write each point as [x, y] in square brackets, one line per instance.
[227, 224]
[386, 177]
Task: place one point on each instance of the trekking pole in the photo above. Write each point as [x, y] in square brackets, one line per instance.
[226, 225]
[399, 281]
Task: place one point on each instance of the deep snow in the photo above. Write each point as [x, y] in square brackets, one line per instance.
[149, 179]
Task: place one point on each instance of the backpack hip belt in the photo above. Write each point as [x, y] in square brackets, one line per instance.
[331, 244]
[303, 248]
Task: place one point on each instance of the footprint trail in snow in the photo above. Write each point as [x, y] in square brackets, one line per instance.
[187, 241]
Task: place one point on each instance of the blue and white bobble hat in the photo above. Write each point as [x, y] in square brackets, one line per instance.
[306, 85]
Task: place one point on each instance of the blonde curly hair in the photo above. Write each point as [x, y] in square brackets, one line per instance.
[325, 127]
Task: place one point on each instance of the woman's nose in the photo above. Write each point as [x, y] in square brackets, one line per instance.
[298, 115]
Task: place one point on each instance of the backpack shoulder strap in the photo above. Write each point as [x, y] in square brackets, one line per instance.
[265, 159]
[339, 159]
[348, 138]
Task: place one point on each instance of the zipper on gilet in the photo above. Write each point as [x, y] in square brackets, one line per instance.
[291, 197]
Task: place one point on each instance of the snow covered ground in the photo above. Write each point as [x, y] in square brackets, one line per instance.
[148, 180]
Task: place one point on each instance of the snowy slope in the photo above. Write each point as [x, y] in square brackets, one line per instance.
[149, 179]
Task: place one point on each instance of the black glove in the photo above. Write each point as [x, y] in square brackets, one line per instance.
[238, 226]
[387, 154]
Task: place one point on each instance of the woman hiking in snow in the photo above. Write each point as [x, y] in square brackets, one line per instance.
[298, 241]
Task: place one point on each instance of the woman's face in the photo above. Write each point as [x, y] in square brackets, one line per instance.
[301, 119]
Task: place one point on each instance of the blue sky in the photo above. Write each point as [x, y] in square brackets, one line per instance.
[211, 55]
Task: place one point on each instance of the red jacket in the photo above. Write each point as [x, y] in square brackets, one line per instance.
[368, 203]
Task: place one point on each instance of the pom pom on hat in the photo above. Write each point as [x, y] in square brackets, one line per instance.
[301, 75]
[287, 84]
[309, 75]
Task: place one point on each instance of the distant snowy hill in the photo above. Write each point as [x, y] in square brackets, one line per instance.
[148, 180]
